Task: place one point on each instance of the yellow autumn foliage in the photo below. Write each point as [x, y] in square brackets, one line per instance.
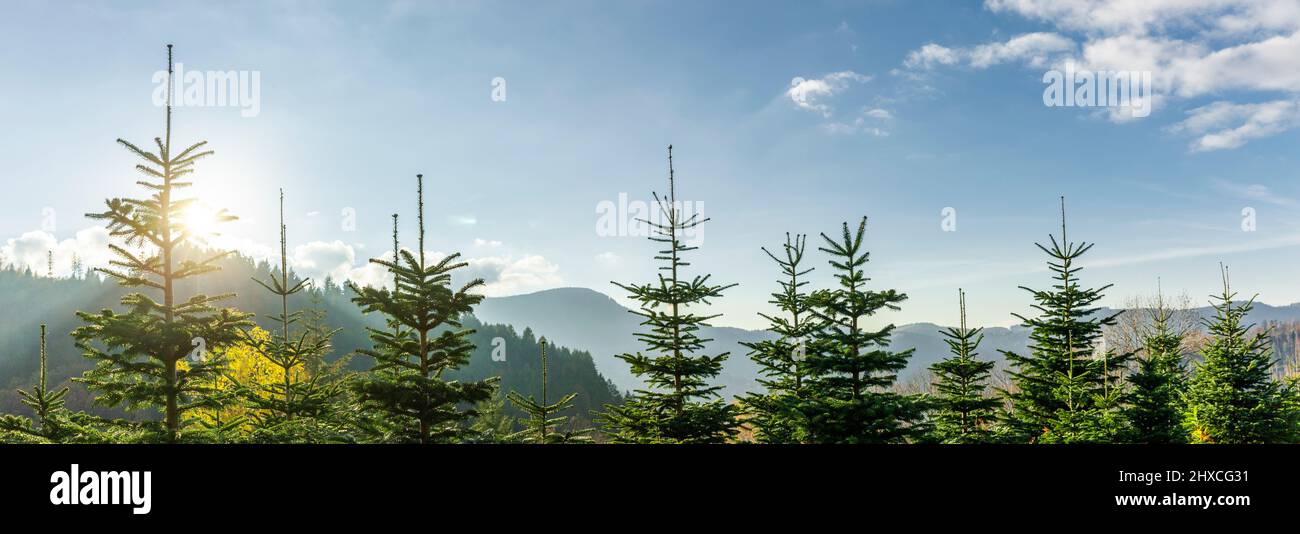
[245, 364]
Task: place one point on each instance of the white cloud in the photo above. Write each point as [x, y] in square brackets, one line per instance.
[1254, 192]
[32, 250]
[1192, 48]
[931, 55]
[608, 259]
[811, 94]
[1225, 125]
[1036, 49]
[503, 274]
[865, 123]
[485, 243]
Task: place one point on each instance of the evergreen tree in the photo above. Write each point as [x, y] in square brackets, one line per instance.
[679, 406]
[542, 424]
[774, 415]
[407, 381]
[962, 412]
[492, 424]
[138, 354]
[851, 366]
[51, 424]
[304, 388]
[1063, 393]
[1155, 400]
[1232, 397]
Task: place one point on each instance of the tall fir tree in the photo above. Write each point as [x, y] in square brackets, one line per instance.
[1155, 401]
[543, 424]
[407, 381]
[305, 388]
[851, 366]
[679, 405]
[138, 354]
[962, 411]
[774, 415]
[1233, 397]
[1063, 393]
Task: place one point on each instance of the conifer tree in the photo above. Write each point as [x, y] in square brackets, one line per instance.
[298, 392]
[543, 425]
[139, 353]
[1155, 400]
[1063, 393]
[851, 366]
[407, 381]
[679, 405]
[1232, 397]
[774, 415]
[963, 413]
[51, 424]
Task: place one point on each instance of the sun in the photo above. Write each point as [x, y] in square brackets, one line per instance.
[201, 222]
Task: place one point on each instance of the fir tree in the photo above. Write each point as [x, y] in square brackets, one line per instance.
[679, 405]
[963, 413]
[1063, 393]
[542, 425]
[1155, 400]
[1232, 397]
[51, 423]
[774, 415]
[492, 424]
[851, 366]
[138, 354]
[298, 392]
[407, 381]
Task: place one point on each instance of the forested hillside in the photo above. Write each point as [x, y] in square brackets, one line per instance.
[32, 300]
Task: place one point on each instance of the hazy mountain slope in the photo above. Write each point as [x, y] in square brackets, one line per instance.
[587, 318]
[28, 301]
[580, 317]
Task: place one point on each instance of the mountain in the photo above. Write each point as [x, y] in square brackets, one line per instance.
[30, 301]
[581, 317]
[586, 318]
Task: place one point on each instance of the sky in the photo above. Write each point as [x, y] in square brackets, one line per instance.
[530, 119]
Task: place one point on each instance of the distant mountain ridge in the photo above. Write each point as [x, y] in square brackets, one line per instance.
[588, 319]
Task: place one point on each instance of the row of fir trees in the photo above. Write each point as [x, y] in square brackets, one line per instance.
[213, 375]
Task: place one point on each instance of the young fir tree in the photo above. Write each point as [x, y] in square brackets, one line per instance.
[407, 381]
[850, 365]
[543, 425]
[1155, 398]
[774, 415]
[1064, 393]
[298, 393]
[1232, 397]
[679, 406]
[51, 423]
[138, 353]
[963, 413]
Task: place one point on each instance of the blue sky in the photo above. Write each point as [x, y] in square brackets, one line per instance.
[356, 98]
